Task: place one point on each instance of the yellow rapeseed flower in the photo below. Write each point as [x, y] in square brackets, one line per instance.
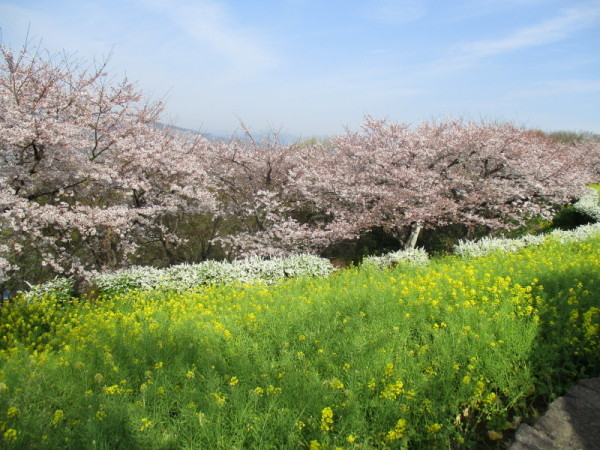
[392, 390]
[10, 435]
[258, 391]
[115, 389]
[327, 419]
[397, 432]
[336, 384]
[389, 370]
[59, 415]
[220, 398]
[271, 390]
[145, 424]
[432, 429]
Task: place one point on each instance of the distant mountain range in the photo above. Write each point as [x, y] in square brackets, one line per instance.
[283, 138]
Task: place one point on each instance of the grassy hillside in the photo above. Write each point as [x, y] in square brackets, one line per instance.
[452, 354]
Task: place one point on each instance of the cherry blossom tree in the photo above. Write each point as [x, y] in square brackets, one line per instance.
[259, 200]
[399, 177]
[306, 198]
[85, 174]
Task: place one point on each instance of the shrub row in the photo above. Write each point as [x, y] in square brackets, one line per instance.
[411, 256]
[60, 288]
[475, 249]
[189, 276]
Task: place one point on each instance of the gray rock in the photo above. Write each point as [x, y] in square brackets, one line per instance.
[572, 422]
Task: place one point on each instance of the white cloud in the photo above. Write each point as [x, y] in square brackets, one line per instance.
[559, 28]
[543, 33]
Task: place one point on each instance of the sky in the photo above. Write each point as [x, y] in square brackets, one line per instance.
[313, 68]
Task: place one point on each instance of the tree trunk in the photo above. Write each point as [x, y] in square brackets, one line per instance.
[414, 235]
[168, 252]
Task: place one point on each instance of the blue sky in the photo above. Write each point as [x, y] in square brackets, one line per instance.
[312, 67]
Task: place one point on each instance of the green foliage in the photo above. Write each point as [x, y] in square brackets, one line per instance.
[431, 356]
[534, 226]
[441, 240]
[314, 140]
[31, 271]
[570, 137]
[376, 241]
[569, 218]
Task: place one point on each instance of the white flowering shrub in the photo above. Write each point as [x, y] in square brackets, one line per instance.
[60, 288]
[580, 233]
[142, 278]
[189, 276]
[306, 265]
[475, 249]
[533, 239]
[411, 256]
[589, 204]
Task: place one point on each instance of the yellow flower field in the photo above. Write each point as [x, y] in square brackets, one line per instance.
[453, 354]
